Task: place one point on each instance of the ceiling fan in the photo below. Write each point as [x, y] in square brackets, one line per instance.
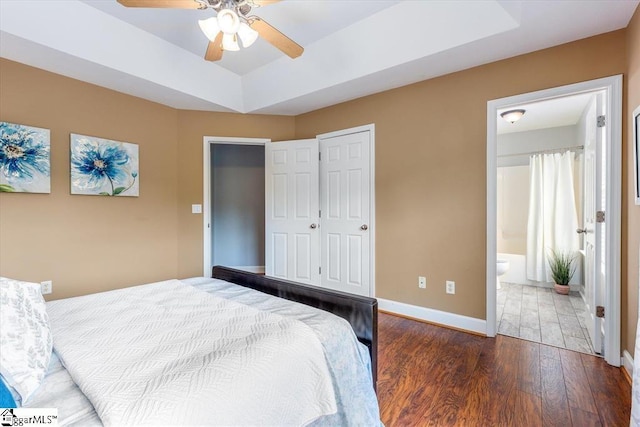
[231, 22]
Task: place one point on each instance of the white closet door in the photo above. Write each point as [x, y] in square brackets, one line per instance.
[292, 243]
[345, 191]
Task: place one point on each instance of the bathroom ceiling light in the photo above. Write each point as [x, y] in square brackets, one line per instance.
[512, 116]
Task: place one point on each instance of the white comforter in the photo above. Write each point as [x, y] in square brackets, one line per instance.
[167, 353]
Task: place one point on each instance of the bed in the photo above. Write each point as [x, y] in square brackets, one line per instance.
[228, 350]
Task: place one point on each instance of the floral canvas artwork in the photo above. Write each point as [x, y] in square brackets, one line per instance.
[103, 167]
[25, 159]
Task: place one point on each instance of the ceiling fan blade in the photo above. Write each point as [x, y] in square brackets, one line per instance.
[264, 2]
[176, 4]
[276, 38]
[214, 50]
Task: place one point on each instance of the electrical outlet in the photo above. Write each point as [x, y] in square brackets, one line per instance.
[46, 287]
[422, 282]
[451, 287]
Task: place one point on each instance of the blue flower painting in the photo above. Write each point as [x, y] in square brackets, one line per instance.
[25, 161]
[103, 167]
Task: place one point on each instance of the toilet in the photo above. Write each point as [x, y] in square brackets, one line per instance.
[502, 266]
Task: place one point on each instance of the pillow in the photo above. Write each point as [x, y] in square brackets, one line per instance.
[25, 336]
[6, 399]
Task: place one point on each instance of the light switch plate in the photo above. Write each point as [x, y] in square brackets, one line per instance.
[196, 209]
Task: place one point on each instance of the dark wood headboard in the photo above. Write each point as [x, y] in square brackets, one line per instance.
[360, 312]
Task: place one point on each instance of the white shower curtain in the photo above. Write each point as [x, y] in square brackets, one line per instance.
[553, 219]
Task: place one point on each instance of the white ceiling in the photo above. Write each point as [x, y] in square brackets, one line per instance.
[352, 47]
[304, 21]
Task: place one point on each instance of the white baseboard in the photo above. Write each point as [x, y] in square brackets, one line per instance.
[443, 318]
[627, 362]
[259, 269]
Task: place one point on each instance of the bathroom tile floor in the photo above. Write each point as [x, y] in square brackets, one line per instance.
[541, 315]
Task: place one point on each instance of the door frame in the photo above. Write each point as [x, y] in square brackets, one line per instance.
[206, 189]
[613, 88]
[372, 199]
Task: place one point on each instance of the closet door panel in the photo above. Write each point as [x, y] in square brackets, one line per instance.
[292, 211]
[345, 193]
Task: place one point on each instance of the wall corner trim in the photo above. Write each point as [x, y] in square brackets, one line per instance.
[452, 320]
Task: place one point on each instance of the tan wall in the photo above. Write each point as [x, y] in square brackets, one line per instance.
[88, 243]
[431, 166]
[192, 126]
[631, 212]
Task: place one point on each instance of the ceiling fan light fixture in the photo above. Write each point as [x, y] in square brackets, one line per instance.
[210, 27]
[230, 42]
[513, 116]
[248, 35]
[228, 21]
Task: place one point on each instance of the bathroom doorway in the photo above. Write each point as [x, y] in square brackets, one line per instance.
[540, 173]
[541, 197]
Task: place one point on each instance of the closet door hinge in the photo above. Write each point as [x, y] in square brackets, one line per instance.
[319, 156]
[319, 270]
[600, 216]
[602, 121]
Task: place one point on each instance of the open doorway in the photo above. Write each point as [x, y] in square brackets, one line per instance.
[589, 162]
[237, 206]
[540, 205]
[234, 203]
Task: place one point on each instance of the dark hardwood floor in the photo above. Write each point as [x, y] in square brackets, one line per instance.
[428, 375]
